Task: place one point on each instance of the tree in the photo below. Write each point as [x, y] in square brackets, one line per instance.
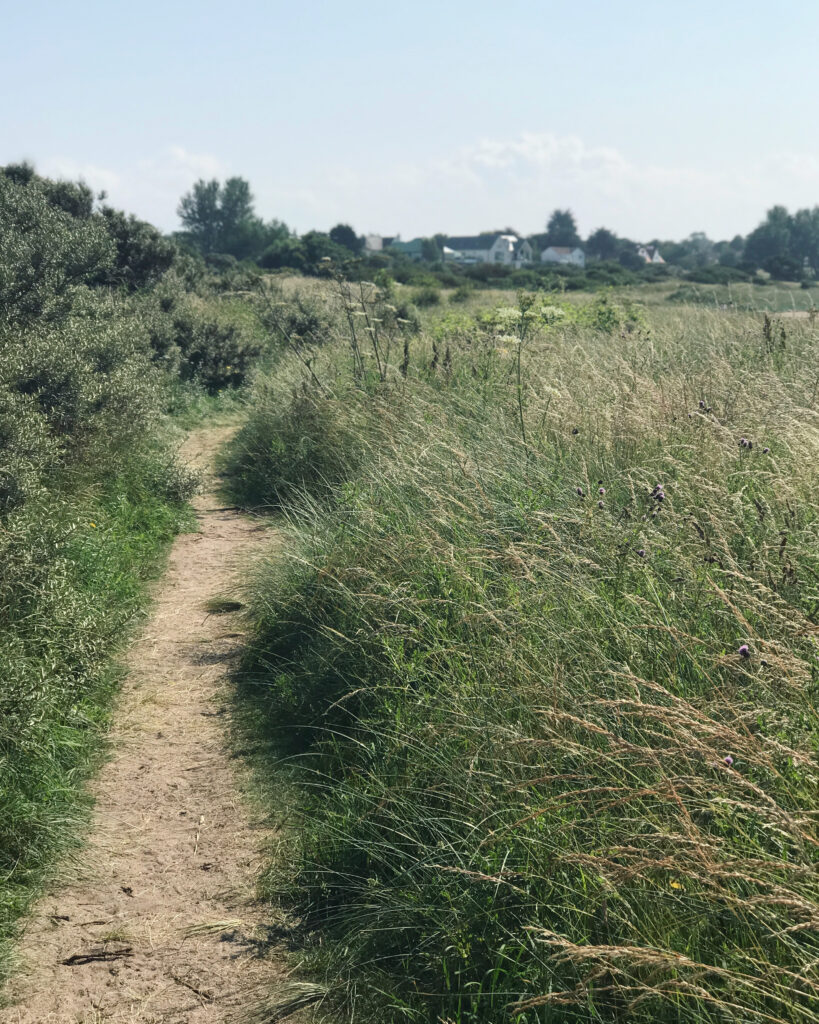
[561, 229]
[319, 247]
[602, 245]
[343, 235]
[200, 213]
[804, 242]
[221, 219]
[768, 245]
[241, 231]
[286, 251]
[430, 251]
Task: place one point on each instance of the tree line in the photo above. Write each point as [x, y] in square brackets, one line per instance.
[219, 221]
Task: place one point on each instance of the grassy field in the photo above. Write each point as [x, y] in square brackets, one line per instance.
[539, 664]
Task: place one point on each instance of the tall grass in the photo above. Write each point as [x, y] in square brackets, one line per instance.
[542, 662]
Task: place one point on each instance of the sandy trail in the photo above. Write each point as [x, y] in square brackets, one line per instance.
[156, 920]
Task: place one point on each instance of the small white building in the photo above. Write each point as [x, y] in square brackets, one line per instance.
[378, 243]
[508, 250]
[566, 254]
[649, 253]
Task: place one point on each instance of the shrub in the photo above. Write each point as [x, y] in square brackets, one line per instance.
[46, 255]
[198, 340]
[90, 494]
[716, 274]
[426, 296]
[461, 293]
[142, 256]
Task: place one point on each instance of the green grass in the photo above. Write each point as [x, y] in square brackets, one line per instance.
[505, 706]
[75, 569]
[771, 297]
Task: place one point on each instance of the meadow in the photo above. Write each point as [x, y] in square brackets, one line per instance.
[531, 681]
[530, 674]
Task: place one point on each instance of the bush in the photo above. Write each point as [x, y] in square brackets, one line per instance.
[716, 274]
[142, 256]
[198, 340]
[46, 255]
[90, 494]
[462, 293]
[425, 297]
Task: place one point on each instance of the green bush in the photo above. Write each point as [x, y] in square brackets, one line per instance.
[196, 339]
[425, 297]
[90, 494]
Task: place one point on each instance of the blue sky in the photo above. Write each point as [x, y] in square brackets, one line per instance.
[654, 119]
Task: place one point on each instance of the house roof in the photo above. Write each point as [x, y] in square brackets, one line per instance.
[466, 242]
[411, 246]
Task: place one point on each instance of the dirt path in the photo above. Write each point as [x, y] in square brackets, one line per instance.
[156, 921]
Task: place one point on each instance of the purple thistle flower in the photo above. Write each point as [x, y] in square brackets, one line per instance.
[601, 490]
[660, 496]
[702, 404]
[600, 504]
[743, 443]
[641, 552]
[744, 651]
[728, 760]
[579, 491]
[575, 430]
[766, 451]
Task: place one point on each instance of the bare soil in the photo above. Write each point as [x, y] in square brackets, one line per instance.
[155, 920]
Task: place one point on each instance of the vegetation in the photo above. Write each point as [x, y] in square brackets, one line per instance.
[541, 653]
[220, 222]
[100, 332]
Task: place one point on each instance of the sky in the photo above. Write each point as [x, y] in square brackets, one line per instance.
[654, 119]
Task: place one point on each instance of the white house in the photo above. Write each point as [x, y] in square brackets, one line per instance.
[508, 250]
[378, 243]
[566, 254]
[649, 253]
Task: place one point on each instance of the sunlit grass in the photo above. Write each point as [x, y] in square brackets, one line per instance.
[548, 685]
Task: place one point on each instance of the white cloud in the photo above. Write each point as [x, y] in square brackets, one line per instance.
[151, 188]
[101, 179]
[490, 183]
[518, 181]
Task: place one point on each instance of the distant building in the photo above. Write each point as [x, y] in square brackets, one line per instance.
[508, 250]
[566, 254]
[649, 253]
[413, 249]
[378, 243]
